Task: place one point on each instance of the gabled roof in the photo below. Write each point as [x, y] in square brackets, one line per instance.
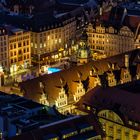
[33, 90]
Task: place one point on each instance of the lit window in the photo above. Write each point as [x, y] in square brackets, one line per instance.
[48, 37]
[59, 40]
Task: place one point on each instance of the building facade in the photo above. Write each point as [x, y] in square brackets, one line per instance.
[53, 42]
[70, 85]
[115, 127]
[118, 122]
[4, 51]
[109, 40]
[19, 49]
[53, 31]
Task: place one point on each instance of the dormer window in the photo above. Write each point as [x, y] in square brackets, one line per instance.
[43, 99]
[80, 92]
[61, 96]
[41, 84]
[126, 76]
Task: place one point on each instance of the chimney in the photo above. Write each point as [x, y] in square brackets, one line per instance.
[126, 61]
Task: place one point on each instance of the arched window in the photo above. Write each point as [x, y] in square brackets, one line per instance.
[110, 115]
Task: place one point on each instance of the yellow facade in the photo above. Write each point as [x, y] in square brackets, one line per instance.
[53, 39]
[19, 50]
[115, 128]
[110, 41]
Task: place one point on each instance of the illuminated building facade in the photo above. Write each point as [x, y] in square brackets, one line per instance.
[118, 116]
[109, 40]
[4, 62]
[19, 49]
[71, 84]
[54, 39]
[54, 29]
[115, 128]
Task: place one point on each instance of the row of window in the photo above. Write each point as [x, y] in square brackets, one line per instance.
[112, 36]
[3, 56]
[3, 38]
[77, 98]
[133, 123]
[20, 58]
[19, 39]
[3, 49]
[59, 104]
[75, 132]
[44, 34]
[70, 134]
[110, 42]
[25, 43]
[99, 48]
[19, 52]
[53, 26]
[119, 134]
[3, 43]
[61, 96]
